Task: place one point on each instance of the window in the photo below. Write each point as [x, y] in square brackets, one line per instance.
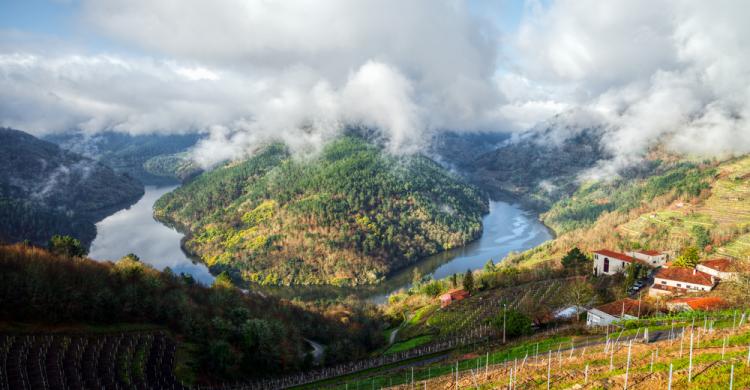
[679, 285]
[663, 282]
[606, 264]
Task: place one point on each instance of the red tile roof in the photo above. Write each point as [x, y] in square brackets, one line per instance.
[649, 252]
[721, 265]
[701, 303]
[687, 275]
[616, 255]
[457, 293]
[616, 308]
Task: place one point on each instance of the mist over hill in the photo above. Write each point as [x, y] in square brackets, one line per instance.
[45, 190]
[126, 153]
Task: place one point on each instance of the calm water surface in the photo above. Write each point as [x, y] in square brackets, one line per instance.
[507, 228]
[134, 230]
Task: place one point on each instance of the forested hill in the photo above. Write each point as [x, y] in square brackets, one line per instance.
[131, 154]
[348, 216]
[45, 190]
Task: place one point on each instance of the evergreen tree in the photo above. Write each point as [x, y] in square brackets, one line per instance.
[701, 236]
[574, 260]
[66, 246]
[469, 281]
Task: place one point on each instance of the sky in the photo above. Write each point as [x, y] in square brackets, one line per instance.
[244, 72]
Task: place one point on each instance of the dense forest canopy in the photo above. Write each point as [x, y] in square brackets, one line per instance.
[347, 216]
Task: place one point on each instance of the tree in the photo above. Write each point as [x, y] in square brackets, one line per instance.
[469, 281]
[516, 323]
[574, 260]
[689, 258]
[701, 236]
[132, 257]
[416, 278]
[223, 280]
[579, 293]
[66, 246]
[489, 266]
[454, 280]
[634, 272]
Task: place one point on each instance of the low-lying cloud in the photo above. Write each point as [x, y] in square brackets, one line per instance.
[672, 73]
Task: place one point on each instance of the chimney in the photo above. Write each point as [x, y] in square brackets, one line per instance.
[694, 271]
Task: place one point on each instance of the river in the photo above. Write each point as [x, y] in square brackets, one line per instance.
[134, 230]
[507, 228]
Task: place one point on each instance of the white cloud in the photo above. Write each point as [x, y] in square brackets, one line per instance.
[252, 71]
[657, 72]
[247, 72]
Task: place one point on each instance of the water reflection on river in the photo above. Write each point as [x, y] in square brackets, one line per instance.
[134, 230]
[507, 228]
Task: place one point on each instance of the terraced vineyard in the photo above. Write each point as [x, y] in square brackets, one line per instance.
[682, 353]
[469, 314]
[726, 211]
[140, 360]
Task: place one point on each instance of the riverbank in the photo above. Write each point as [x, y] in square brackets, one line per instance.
[507, 228]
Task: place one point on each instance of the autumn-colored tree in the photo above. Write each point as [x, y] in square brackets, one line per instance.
[689, 258]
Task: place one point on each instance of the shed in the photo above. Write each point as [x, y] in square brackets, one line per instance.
[452, 296]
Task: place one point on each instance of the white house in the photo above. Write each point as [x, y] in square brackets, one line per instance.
[607, 262]
[652, 257]
[681, 280]
[718, 268]
[624, 309]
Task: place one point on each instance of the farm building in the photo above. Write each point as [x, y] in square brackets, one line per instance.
[652, 257]
[696, 303]
[607, 262]
[452, 296]
[679, 280]
[718, 268]
[624, 309]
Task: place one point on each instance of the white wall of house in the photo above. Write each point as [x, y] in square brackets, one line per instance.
[715, 273]
[596, 317]
[656, 261]
[683, 285]
[615, 265]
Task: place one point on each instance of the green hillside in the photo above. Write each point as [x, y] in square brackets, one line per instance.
[348, 216]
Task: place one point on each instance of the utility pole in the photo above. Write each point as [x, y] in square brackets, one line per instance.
[690, 365]
[627, 367]
[504, 309]
[669, 386]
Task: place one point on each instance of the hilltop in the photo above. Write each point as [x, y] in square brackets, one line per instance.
[348, 216]
[45, 190]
